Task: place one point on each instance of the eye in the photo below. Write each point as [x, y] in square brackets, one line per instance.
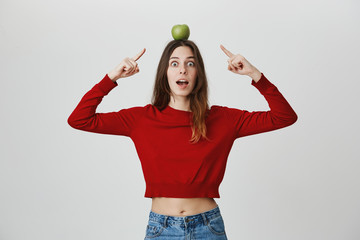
[174, 64]
[191, 64]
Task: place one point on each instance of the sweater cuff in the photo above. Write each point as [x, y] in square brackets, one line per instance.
[106, 84]
[262, 84]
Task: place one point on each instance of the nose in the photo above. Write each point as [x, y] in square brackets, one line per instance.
[183, 70]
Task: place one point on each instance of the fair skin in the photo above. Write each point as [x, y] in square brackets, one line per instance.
[182, 67]
[181, 76]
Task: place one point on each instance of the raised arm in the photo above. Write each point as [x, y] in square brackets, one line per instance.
[247, 123]
[84, 116]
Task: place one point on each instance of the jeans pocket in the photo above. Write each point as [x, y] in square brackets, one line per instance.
[154, 229]
[216, 225]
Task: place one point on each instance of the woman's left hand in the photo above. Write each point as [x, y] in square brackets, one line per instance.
[238, 64]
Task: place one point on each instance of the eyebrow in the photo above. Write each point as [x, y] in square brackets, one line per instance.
[186, 58]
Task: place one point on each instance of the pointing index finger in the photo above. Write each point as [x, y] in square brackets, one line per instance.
[227, 52]
[137, 56]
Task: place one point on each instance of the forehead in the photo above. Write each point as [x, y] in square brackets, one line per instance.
[182, 52]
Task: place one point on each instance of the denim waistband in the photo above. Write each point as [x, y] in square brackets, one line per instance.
[203, 217]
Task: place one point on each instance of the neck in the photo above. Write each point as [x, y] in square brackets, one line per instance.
[182, 104]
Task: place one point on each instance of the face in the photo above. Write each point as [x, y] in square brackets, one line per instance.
[182, 72]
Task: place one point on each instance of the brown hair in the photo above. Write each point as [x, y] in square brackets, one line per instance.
[199, 95]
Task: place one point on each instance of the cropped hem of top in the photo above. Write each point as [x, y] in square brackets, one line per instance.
[182, 190]
[173, 166]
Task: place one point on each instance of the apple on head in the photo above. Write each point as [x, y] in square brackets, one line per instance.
[180, 32]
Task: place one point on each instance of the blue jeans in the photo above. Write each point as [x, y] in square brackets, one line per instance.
[207, 225]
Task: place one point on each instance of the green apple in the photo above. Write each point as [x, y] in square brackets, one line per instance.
[180, 32]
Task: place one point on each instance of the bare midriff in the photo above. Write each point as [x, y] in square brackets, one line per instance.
[179, 207]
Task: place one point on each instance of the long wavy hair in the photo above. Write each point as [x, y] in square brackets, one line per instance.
[198, 97]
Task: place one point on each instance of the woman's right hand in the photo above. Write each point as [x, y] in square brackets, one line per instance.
[126, 68]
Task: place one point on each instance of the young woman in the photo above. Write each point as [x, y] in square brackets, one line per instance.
[182, 143]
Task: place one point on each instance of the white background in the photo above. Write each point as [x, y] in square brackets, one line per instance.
[300, 182]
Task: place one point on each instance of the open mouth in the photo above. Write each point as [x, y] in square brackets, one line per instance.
[182, 82]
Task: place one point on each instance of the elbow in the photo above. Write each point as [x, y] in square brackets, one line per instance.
[292, 119]
[73, 122]
[295, 118]
[78, 123]
[285, 120]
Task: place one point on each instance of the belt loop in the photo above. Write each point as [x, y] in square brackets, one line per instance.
[204, 218]
[165, 220]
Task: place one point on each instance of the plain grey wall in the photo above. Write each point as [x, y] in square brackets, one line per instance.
[298, 183]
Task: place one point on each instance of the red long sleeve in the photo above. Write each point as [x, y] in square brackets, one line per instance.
[84, 116]
[280, 114]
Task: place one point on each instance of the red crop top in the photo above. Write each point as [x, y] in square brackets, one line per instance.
[172, 166]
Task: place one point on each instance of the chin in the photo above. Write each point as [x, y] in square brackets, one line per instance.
[181, 94]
